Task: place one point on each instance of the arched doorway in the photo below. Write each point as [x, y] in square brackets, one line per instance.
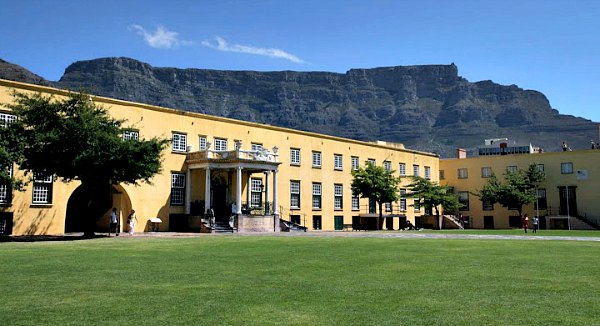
[84, 213]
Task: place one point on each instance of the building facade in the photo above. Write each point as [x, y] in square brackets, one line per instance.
[218, 167]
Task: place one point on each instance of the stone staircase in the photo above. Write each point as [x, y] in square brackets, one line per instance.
[222, 227]
[287, 226]
[453, 221]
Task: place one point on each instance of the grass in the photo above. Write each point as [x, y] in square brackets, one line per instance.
[540, 233]
[239, 280]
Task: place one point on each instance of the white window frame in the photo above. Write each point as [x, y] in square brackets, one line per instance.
[256, 146]
[338, 162]
[442, 175]
[294, 194]
[566, 168]
[256, 187]
[316, 159]
[131, 135]
[338, 199]
[463, 173]
[403, 200]
[6, 189]
[402, 169]
[371, 161]
[317, 190]
[416, 168]
[179, 142]
[387, 165]
[220, 144]
[427, 171]
[355, 203]
[202, 143]
[295, 156]
[6, 118]
[486, 172]
[354, 161]
[42, 189]
[177, 189]
[512, 168]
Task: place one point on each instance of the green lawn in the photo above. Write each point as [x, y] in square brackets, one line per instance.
[244, 280]
[540, 233]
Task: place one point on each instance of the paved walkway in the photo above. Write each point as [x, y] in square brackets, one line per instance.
[376, 234]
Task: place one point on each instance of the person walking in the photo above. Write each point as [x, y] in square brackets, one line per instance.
[113, 222]
[536, 224]
[525, 222]
[131, 220]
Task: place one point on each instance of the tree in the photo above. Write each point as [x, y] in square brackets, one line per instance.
[432, 195]
[518, 189]
[376, 183]
[72, 138]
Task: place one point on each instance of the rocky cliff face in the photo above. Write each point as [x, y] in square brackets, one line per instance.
[429, 108]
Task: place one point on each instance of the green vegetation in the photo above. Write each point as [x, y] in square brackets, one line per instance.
[299, 280]
[432, 195]
[377, 184]
[540, 233]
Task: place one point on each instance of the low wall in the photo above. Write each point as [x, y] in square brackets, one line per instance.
[254, 223]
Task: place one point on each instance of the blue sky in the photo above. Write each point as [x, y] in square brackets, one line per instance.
[550, 46]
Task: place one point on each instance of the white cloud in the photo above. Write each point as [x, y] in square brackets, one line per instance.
[162, 38]
[222, 45]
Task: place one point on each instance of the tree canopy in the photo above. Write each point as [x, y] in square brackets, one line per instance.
[376, 183]
[432, 195]
[73, 138]
[518, 189]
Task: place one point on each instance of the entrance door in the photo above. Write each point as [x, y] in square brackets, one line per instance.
[338, 222]
[219, 199]
[488, 222]
[568, 200]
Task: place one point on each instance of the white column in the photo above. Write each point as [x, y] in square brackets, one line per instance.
[188, 191]
[275, 201]
[248, 189]
[207, 190]
[238, 191]
[267, 188]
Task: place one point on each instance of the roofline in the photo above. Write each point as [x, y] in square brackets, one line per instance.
[108, 100]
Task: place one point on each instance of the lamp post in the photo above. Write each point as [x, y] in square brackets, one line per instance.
[568, 214]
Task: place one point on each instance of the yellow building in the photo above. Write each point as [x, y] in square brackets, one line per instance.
[257, 172]
[571, 188]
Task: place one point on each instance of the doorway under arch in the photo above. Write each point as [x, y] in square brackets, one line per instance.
[83, 213]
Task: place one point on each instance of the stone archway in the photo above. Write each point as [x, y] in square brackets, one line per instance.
[84, 214]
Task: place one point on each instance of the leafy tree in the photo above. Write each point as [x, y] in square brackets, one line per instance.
[518, 189]
[376, 183]
[432, 195]
[74, 139]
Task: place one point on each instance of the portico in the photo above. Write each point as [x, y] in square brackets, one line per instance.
[226, 175]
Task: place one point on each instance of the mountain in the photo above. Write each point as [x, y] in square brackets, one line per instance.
[427, 107]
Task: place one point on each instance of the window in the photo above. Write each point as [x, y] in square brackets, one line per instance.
[402, 169]
[177, 188]
[316, 222]
[355, 203]
[256, 188]
[388, 207]
[486, 172]
[179, 142]
[417, 205]
[338, 200]
[427, 172]
[541, 202]
[511, 169]
[5, 119]
[131, 135]
[220, 144]
[337, 162]
[387, 165]
[295, 156]
[295, 219]
[403, 200]
[540, 167]
[371, 161]
[316, 159]
[463, 173]
[566, 168]
[202, 143]
[6, 189]
[354, 160]
[442, 175]
[463, 198]
[295, 194]
[42, 189]
[316, 198]
[256, 147]
[488, 205]
[415, 170]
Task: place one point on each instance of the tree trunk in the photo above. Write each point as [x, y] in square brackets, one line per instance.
[380, 217]
[439, 218]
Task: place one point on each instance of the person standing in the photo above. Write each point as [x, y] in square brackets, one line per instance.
[113, 222]
[525, 222]
[131, 220]
[536, 224]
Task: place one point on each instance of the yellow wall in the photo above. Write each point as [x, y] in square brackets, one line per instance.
[586, 192]
[153, 200]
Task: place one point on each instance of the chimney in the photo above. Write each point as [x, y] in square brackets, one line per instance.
[461, 153]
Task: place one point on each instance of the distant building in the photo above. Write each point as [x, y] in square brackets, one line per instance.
[503, 146]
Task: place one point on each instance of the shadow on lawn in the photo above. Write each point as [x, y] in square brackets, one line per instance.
[45, 238]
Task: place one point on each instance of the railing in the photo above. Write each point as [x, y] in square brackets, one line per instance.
[592, 220]
[286, 215]
[261, 154]
[261, 209]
